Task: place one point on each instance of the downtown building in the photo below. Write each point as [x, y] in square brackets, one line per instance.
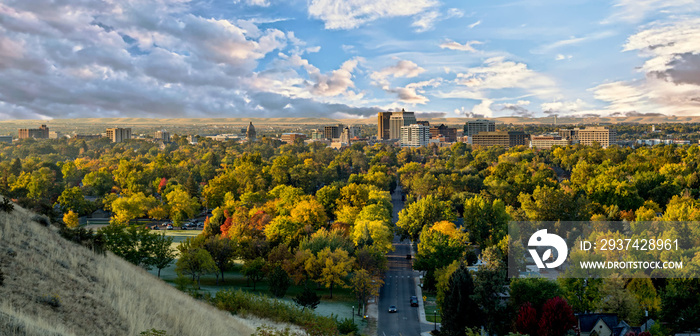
[548, 141]
[505, 139]
[162, 135]
[332, 132]
[117, 134]
[36, 133]
[474, 127]
[589, 135]
[398, 120]
[414, 135]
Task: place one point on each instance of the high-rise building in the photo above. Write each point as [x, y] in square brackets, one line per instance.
[162, 135]
[345, 135]
[570, 134]
[250, 133]
[117, 134]
[414, 135]
[316, 134]
[506, 139]
[383, 119]
[473, 127]
[332, 132]
[449, 133]
[36, 133]
[398, 120]
[604, 136]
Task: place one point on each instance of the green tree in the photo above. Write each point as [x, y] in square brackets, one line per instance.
[127, 208]
[458, 310]
[615, 298]
[72, 199]
[375, 233]
[489, 286]
[162, 253]
[222, 250]
[365, 286]
[307, 299]
[279, 281]
[100, 181]
[181, 205]
[439, 246]
[581, 293]
[486, 222]
[327, 197]
[254, 270]
[426, 211]
[195, 262]
[534, 290]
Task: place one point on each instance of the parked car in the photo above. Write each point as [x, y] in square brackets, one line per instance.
[200, 225]
[414, 301]
[392, 309]
[169, 227]
[155, 227]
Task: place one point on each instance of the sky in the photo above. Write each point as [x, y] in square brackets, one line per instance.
[348, 59]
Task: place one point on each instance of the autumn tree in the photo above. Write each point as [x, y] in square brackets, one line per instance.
[439, 246]
[127, 208]
[181, 205]
[195, 262]
[71, 219]
[365, 286]
[424, 212]
[557, 318]
[334, 266]
[254, 270]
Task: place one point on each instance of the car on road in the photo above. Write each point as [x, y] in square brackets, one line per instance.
[392, 309]
[414, 301]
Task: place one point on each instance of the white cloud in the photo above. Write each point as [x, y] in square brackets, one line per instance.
[348, 14]
[425, 21]
[261, 3]
[572, 41]
[484, 108]
[636, 10]
[563, 107]
[671, 84]
[561, 57]
[474, 24]
[455, 13]
[403, 68]
[497, 73]
[467, 46]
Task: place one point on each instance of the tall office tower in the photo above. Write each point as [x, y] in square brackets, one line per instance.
[414, 135]
[250, 133]
[332, 132]
[449, 133]
[36, 133]
[398, 120]
[162, 135]
[383, 119]
[473, 127]
[345, 135]
[117, 134]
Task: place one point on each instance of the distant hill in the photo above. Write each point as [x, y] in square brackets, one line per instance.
[131, 122]
[54, 287]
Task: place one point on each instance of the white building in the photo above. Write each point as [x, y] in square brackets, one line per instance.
[414, 136]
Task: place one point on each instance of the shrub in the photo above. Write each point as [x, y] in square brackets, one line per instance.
[86, 238]
[267, 331]
[43, 220]
[54, 301]
[347, 326]
[239, 302]
[7, 205]
[2, 278]
[153, 332]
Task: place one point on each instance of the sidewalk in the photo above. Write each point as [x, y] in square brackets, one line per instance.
[419, 293]
[372, 318]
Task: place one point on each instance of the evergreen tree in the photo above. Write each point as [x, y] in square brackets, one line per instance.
[307, 299]
[279, 281]
[458, 309]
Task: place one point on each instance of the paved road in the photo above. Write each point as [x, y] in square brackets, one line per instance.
[399, 286]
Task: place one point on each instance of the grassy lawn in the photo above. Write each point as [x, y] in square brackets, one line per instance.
[430, 307]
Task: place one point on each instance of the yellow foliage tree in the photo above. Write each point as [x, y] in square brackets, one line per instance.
[71, 219]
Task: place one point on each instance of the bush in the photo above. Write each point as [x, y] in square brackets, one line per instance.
[153, 332]
[7, 205]
[86, 238]
[239, 302]
[2, 278]
[347, 326]
[267, 331]
[54, 301]
[43, 220]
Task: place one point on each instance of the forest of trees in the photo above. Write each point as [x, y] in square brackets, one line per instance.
[301, 214]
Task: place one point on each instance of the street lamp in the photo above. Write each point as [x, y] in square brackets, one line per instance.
[435, 320]
[353, 314]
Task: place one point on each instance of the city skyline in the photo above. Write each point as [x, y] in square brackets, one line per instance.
[349, 59]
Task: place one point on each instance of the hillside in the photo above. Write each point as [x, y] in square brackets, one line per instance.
[55, 287]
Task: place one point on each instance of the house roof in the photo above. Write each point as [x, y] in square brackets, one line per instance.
[586, 322]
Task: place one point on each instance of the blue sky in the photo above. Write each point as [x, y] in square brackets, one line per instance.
[352, 58]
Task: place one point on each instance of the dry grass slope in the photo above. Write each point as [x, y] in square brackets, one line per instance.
[55, 287]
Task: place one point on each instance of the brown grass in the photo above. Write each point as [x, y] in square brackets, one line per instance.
[55, 287]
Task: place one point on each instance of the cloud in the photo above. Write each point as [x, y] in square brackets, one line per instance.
[563, 107]
[670, 84]
[497, 73]
[561, 57]
[403, 68]
[75, 58]
[454, 13]
[634, 11]
[484, 108]
[474, 24]
[467, 114]
[572, 41]
[425, 21]
[261, 3]
[467, 46]
[349, 14]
